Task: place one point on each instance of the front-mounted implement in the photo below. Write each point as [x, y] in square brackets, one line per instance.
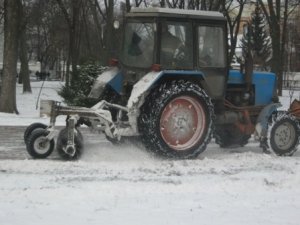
[69, 141]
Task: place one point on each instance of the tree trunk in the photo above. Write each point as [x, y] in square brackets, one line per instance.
[10, 55]
[276, 63]
[71, 60]
[277, 31]
[73, 19]
[109, 30]
[68, 73]
[282, 48]
[128, 5]
[24, 71]
[233, 23]
[98, 26]
[75, 35]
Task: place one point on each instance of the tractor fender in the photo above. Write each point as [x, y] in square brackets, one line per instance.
[112, 76]
[141, 88]
[261, 127]
[137, 97]
[143, 85]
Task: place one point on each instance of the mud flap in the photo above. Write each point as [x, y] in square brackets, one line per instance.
[141, 87]
[138, 95]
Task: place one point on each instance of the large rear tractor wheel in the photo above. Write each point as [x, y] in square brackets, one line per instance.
[38, 146]
[176, 120]
[62, 142]
[284, 136]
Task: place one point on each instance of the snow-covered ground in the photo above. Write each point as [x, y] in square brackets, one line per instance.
[28, 104]
[127, 185]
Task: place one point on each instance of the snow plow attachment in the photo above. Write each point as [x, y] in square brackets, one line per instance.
[39, 138]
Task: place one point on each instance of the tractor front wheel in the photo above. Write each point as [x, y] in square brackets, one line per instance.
[284, 136]
[176, 120]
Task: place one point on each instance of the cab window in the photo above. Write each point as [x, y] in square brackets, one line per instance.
[211, 46]
[176, 45]
[139, 44]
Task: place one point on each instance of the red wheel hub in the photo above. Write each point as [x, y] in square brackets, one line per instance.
[182, 123]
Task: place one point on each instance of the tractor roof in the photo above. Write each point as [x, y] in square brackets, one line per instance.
[175, 13]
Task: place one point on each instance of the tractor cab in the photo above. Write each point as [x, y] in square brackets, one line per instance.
[176, 41]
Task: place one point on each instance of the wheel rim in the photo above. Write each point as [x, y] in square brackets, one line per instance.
[284, 136]
[41, 145]
[182, 123]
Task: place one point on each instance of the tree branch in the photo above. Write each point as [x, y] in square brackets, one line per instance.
[65, 12]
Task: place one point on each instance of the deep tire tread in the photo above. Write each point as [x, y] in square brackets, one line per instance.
[152, 108]
[282, 118]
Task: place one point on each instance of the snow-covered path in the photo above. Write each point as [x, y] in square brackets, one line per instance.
[128, 185]
[113, 185]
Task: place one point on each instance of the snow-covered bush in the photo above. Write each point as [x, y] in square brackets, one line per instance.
[76, 94]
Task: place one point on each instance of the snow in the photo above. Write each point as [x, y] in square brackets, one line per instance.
[128, 185]
[26, 104]
[141, 87]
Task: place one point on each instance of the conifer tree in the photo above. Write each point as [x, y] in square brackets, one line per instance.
[256, 39]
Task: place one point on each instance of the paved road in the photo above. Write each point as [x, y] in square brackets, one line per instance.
[12, 144]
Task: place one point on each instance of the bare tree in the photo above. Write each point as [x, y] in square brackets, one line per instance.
[11, 30]
[23, 50]
[277, 13]
[73, 15]
[292, 61]
[1, 11]
[24, 70]
[176, 4]
[97, 17]
[104, 14]
[233, 22]
[207, 5]
[47, 37]
[109, 27]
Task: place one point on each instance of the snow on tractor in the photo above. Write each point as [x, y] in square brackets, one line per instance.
[173, 89]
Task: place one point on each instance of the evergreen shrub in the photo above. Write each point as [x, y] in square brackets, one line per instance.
[77, 93]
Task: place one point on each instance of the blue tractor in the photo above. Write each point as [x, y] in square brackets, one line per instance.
[171, 87]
